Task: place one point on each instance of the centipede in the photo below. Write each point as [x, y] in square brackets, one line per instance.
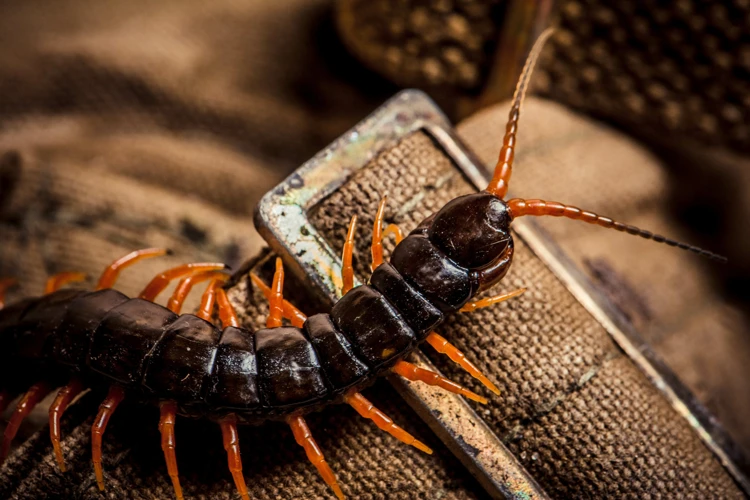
[135, 349]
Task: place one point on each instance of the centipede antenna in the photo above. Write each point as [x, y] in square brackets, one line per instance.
[347, 271]
[231, 441]
[276, 301]
[368, 410]
[54, 283]
[5, 284]
[491, 301]
[186, 285]
[291, 313]
[304, 438]
[167, 417]
[504, 167]
[114, 397]
[441, 345]
[56, 410]
[161, 281]
[519, 208]
[227, 314]
[27, 403]
[110, 274]
[417, 374]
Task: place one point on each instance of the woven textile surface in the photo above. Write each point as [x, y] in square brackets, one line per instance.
[577, 414]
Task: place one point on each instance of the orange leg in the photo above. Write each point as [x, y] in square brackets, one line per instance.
[161, 282]
[395, 231]
[305, 439]
[186, 285]
[232, 445]
[290, 312]
[54, 283]
[415, 373]
[441, 345]
[168, 410]
[275, 303]
[106, 409]
[489, 301]
[27, 403]
[6, 283]
[63, 399]
[208, 300]
[378, 235]
[109, 276]
[227, 314]
[347, 271]
[368, 410]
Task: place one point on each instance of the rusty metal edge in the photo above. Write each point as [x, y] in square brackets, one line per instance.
[281, 218]
[407, 112]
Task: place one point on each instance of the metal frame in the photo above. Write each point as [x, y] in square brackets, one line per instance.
[282, 219]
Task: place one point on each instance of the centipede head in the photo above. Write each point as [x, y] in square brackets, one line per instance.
[474, 231]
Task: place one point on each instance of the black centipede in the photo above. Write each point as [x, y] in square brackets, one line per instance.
[188, 366]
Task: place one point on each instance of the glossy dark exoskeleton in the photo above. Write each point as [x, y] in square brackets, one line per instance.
[159, 355]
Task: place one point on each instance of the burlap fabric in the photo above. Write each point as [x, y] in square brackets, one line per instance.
[114, 153]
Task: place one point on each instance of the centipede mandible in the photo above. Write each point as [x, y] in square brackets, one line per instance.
[190, 367]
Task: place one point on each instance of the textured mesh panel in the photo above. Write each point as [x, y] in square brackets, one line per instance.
[680, 68]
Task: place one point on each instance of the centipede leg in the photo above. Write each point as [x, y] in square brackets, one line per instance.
[347, 271]
[415, 373]
[276, 301]
[232, 446]
[366, 409]
[5, 284]
[227, 314]
[168, 410]
[110, 274]
[208, 301]
[183, 288]
[106, 409]
[378, 235]
[160, 282]
[441, 345]
[27, 403]
[305, 439]
[290, 312]
[489, 301]
[59, 405]
[54, 283]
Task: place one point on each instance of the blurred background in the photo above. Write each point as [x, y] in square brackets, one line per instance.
[165, 122]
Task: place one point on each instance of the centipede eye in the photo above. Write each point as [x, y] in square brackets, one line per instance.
[472, 230]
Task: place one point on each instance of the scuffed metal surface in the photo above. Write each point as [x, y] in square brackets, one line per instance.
[282, 220]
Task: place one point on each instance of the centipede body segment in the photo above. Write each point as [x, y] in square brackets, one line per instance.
[189, 367]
